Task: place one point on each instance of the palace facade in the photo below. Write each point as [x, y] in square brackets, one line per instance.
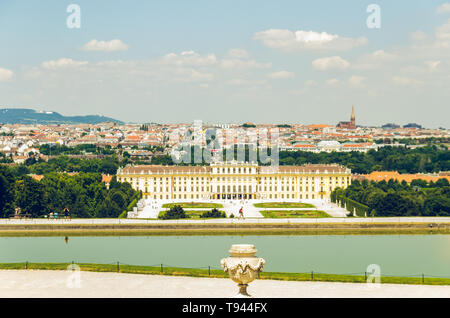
[235, 181]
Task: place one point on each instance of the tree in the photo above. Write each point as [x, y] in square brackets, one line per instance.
[214, 213]
[81, 208]
[176, 212]
[6, 192]
[30, 196]
[108, 209]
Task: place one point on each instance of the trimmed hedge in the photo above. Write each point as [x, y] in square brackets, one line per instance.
[132, 204]
[123, 215]
[351, 205]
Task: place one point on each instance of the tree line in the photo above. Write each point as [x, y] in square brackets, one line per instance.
[426, 159]
[404, 160]
[84, 194]
[55, 149]
[107, 165]
[392, 198]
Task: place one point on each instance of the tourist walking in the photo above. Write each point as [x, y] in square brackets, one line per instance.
[241, 213]
[66, 213]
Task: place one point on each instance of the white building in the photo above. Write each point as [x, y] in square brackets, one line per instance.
[234, 181]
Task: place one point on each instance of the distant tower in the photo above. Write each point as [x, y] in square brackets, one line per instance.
[352, 118]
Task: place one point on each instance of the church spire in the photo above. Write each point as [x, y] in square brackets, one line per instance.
[352, 117]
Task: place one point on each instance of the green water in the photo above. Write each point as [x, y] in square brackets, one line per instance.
[402, 255]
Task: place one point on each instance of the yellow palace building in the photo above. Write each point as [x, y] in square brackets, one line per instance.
[236, 181]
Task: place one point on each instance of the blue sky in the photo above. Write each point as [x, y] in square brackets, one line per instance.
[237, 64]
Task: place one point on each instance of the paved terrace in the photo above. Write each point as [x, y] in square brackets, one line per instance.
[234, 221]
[54, 284]
[153, 207]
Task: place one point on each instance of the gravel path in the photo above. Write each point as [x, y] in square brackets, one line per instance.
[54, 284]
[403, 219]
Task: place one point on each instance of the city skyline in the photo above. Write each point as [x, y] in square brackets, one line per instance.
[337, 123]
[289, 62]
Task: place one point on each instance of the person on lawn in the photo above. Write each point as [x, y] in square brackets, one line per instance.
[241, 212]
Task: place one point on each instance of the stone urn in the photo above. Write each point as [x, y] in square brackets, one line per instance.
[243, 266]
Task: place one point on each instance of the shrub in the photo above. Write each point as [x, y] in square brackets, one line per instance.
[214, 213]
[123, 215]
[132, 205]
[176, 212]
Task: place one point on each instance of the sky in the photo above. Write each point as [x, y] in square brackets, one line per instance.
[229, 61]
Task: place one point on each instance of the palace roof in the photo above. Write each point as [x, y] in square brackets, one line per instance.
[307, 168]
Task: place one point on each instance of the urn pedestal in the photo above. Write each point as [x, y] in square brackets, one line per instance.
[243, 266]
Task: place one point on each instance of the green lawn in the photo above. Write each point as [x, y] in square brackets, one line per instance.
[293, 214]
[193, 214]
[272, 205]
[194, 205]
[219, 273]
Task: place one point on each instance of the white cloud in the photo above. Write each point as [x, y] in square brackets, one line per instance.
[281, 75]
[381, 55]
[5, 74]
[356, 81]
[443, 31]
[374, 60]
[238, 53]
[406, 81]
[418, 36]
[330, 63]
[245, 82]
[117, 63]
[444, 8]
[432, 65]
[184, 67]
[298, 91]
[237, 81]
[332, 82]
[190, 75]
[189, 58]
[105, 46]
[63, 63]
[243, 64]
[288, 40]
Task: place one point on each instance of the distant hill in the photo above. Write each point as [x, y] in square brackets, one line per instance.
[30, 116]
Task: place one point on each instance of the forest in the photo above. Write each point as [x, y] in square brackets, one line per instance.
[427, 159]
[404, 160]
[393, 198]
[84, 194]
